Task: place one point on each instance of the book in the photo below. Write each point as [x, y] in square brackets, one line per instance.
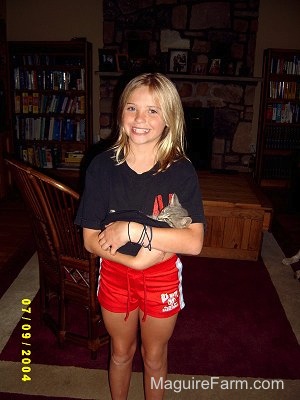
[37, 154]
[51, 128]
[25, 102]
[64, 104]
[57, 129]
[30, 103]
[37, 128]
[69, 130]
[48, 157]
[17, 78]
[30, 155]
[25, 155]
[42, 129]
[17, 103]
[35, 102]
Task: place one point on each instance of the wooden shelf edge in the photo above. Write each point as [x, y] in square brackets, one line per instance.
[275, 183]
[192, 77]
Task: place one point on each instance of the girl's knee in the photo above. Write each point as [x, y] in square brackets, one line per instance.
[155, 360]
[122, 355]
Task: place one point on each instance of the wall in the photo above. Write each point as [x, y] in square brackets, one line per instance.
[278, 27]
[59, 20]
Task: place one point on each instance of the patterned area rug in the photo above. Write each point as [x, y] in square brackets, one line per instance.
[233, 325]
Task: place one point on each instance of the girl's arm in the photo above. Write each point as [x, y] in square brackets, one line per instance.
[169, 240]
[143, 260]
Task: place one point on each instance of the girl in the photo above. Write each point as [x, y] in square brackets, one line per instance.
[140, 273]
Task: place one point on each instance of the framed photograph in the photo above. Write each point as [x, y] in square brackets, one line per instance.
[215, 66]
[199, 68]
[178, 61]
[107, 60]
[229, 68]
[122, 62]
[238, 68]
[199, 64]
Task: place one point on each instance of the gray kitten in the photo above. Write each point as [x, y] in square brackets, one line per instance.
[174, 214]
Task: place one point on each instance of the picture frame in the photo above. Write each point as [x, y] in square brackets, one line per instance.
[122, 62]
[107, 60]
[215, 66]
[199, 68]
[230, 68]
[178, 61]
[238, 67]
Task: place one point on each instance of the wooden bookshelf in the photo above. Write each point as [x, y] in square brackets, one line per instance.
[51, 87]
[278, 141]
[5, 137]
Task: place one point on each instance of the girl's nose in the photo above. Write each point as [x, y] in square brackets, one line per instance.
[140, 116]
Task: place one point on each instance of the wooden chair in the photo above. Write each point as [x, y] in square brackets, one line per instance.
[67, 270]
[49, 272]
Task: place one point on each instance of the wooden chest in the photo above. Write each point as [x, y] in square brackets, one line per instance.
[237, 213]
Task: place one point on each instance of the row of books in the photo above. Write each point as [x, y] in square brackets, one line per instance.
[39, 79]
[282, 138]
[45, 128]
[50, 157]
[284, 90]
[46, 59]
[277, 168]
[280, 65]
[284, 113]
[36, 103]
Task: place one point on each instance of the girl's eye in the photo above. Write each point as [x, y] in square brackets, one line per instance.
[130, 108]
[152, 111]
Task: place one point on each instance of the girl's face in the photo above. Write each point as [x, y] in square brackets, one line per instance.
[142, 117]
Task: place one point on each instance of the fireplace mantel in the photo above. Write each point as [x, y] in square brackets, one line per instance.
[233, 138]
[194, 77]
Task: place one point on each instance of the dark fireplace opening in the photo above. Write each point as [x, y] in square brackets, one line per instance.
[199, 136]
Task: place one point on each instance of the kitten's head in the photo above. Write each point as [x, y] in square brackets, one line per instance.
[174, 214]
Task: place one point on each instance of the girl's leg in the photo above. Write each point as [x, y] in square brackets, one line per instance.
[123, 345]
[155, 334]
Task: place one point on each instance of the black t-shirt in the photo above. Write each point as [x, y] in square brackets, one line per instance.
[117, 188]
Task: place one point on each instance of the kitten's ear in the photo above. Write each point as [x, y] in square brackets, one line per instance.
[174, 200]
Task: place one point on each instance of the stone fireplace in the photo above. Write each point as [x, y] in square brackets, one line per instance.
[199, 135]
[224, 30]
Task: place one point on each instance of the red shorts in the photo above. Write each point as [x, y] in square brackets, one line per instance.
[157, 290]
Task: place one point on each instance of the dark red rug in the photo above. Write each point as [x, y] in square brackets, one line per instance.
[16, 239]
[16, 396]
[233, 325]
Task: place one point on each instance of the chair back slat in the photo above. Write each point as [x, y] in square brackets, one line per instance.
[62, 206]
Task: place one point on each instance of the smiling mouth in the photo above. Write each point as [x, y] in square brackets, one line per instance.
[140, 130]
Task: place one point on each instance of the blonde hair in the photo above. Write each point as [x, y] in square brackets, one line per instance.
[171, 145]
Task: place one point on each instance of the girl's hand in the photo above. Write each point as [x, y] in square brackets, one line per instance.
[113, 237]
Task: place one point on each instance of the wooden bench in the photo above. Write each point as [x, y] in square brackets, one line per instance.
[237, 213]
